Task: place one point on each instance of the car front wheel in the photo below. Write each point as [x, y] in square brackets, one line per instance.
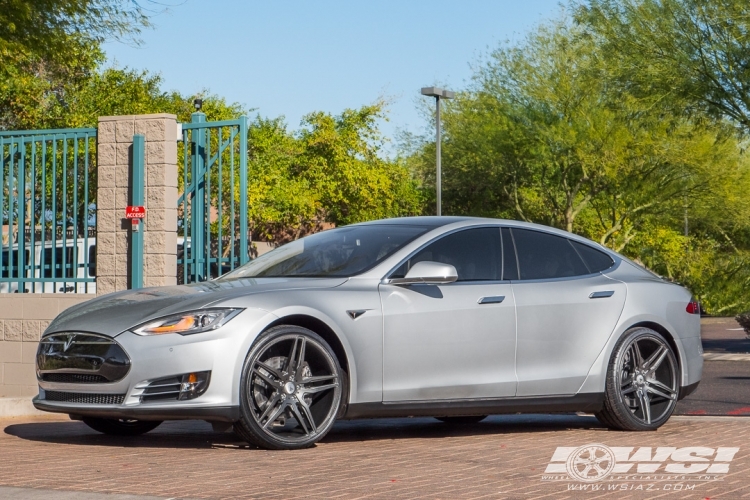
[290, 391]
[642, 382]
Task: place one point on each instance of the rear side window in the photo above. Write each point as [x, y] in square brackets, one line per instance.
[546, 256]
[595, 260]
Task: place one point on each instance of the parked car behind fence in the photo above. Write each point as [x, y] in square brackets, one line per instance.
[62, 266]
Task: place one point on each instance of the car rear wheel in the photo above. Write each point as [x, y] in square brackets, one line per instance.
[642, 382]
[121, 426]
[290, 391]
[463, 420]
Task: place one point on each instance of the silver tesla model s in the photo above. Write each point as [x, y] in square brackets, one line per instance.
[455, 318]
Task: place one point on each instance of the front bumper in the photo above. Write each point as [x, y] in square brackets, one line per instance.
[144, 412]
[153, 358]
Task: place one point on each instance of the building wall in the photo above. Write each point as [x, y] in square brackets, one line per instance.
[23, 319]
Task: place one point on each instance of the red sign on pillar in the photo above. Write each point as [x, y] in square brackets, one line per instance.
[134, 212]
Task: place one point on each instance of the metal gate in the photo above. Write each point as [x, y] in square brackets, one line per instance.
[48, 210]
[212, 224]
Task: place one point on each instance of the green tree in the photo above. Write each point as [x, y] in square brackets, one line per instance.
[332, 171]
[57, 31]
[342, 155]
[541, 137]
[549, 133]
[694, 52]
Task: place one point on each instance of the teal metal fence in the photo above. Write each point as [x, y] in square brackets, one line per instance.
[48, 208]
[138, 178]
[212, 209]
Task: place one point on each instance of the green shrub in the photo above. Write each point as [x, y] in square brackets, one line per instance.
[744, 321]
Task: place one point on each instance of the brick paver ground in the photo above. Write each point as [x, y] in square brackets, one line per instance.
[503, 457]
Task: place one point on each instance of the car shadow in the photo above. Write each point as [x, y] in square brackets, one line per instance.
[199, 434]
[173, 434]
[727, 346]
[427, 428]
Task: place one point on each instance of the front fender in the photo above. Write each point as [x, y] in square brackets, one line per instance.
[277, 316]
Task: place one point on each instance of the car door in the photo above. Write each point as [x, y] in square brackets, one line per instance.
[454, 341]
[566, 311]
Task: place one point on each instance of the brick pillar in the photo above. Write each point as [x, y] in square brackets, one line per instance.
[115, 149]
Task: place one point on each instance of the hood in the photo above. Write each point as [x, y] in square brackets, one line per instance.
[114, 313]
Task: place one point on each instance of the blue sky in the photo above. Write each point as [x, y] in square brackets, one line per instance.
[291, 57]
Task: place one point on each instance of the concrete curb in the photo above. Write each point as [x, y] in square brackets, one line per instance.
[45, 494]
[18, 407]
[724, 356]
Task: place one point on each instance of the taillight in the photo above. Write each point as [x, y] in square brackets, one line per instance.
[693, 307]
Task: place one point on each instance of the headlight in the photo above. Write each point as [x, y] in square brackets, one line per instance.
[188, 323]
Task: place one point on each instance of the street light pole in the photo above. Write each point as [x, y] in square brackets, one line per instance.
[437, 93]
[438, 161]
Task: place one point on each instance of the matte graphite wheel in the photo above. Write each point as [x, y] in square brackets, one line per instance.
[290, 391]
[121, 426]
[463, 420]
[642, 382]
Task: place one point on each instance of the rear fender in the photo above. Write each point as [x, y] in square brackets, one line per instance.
[596, 378]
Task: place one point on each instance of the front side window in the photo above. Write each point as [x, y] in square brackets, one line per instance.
[546, 256]
[475, 253]
[341, 252]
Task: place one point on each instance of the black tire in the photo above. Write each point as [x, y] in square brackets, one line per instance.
[121, 427]
[642, 382]
[274, 391]
[462, 420]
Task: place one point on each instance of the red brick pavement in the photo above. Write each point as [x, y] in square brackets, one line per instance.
[503, 457]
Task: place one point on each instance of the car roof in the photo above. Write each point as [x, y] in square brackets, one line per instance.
[434, 222]
[426, 220]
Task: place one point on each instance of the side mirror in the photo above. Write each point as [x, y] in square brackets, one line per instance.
[428, 273]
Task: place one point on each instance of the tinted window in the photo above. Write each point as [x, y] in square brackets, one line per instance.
[10, 265]
[595, 260]
[546, 256]
[92, 260]
[341, 252]
[510, 265]
[475, 253]
[60, 269]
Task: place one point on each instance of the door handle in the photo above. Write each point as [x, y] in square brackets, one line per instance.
[496, 299]
[602, 294]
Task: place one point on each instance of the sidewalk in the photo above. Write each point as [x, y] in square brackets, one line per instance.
[511, 456]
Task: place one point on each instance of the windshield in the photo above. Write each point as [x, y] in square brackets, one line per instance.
[335, 253]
